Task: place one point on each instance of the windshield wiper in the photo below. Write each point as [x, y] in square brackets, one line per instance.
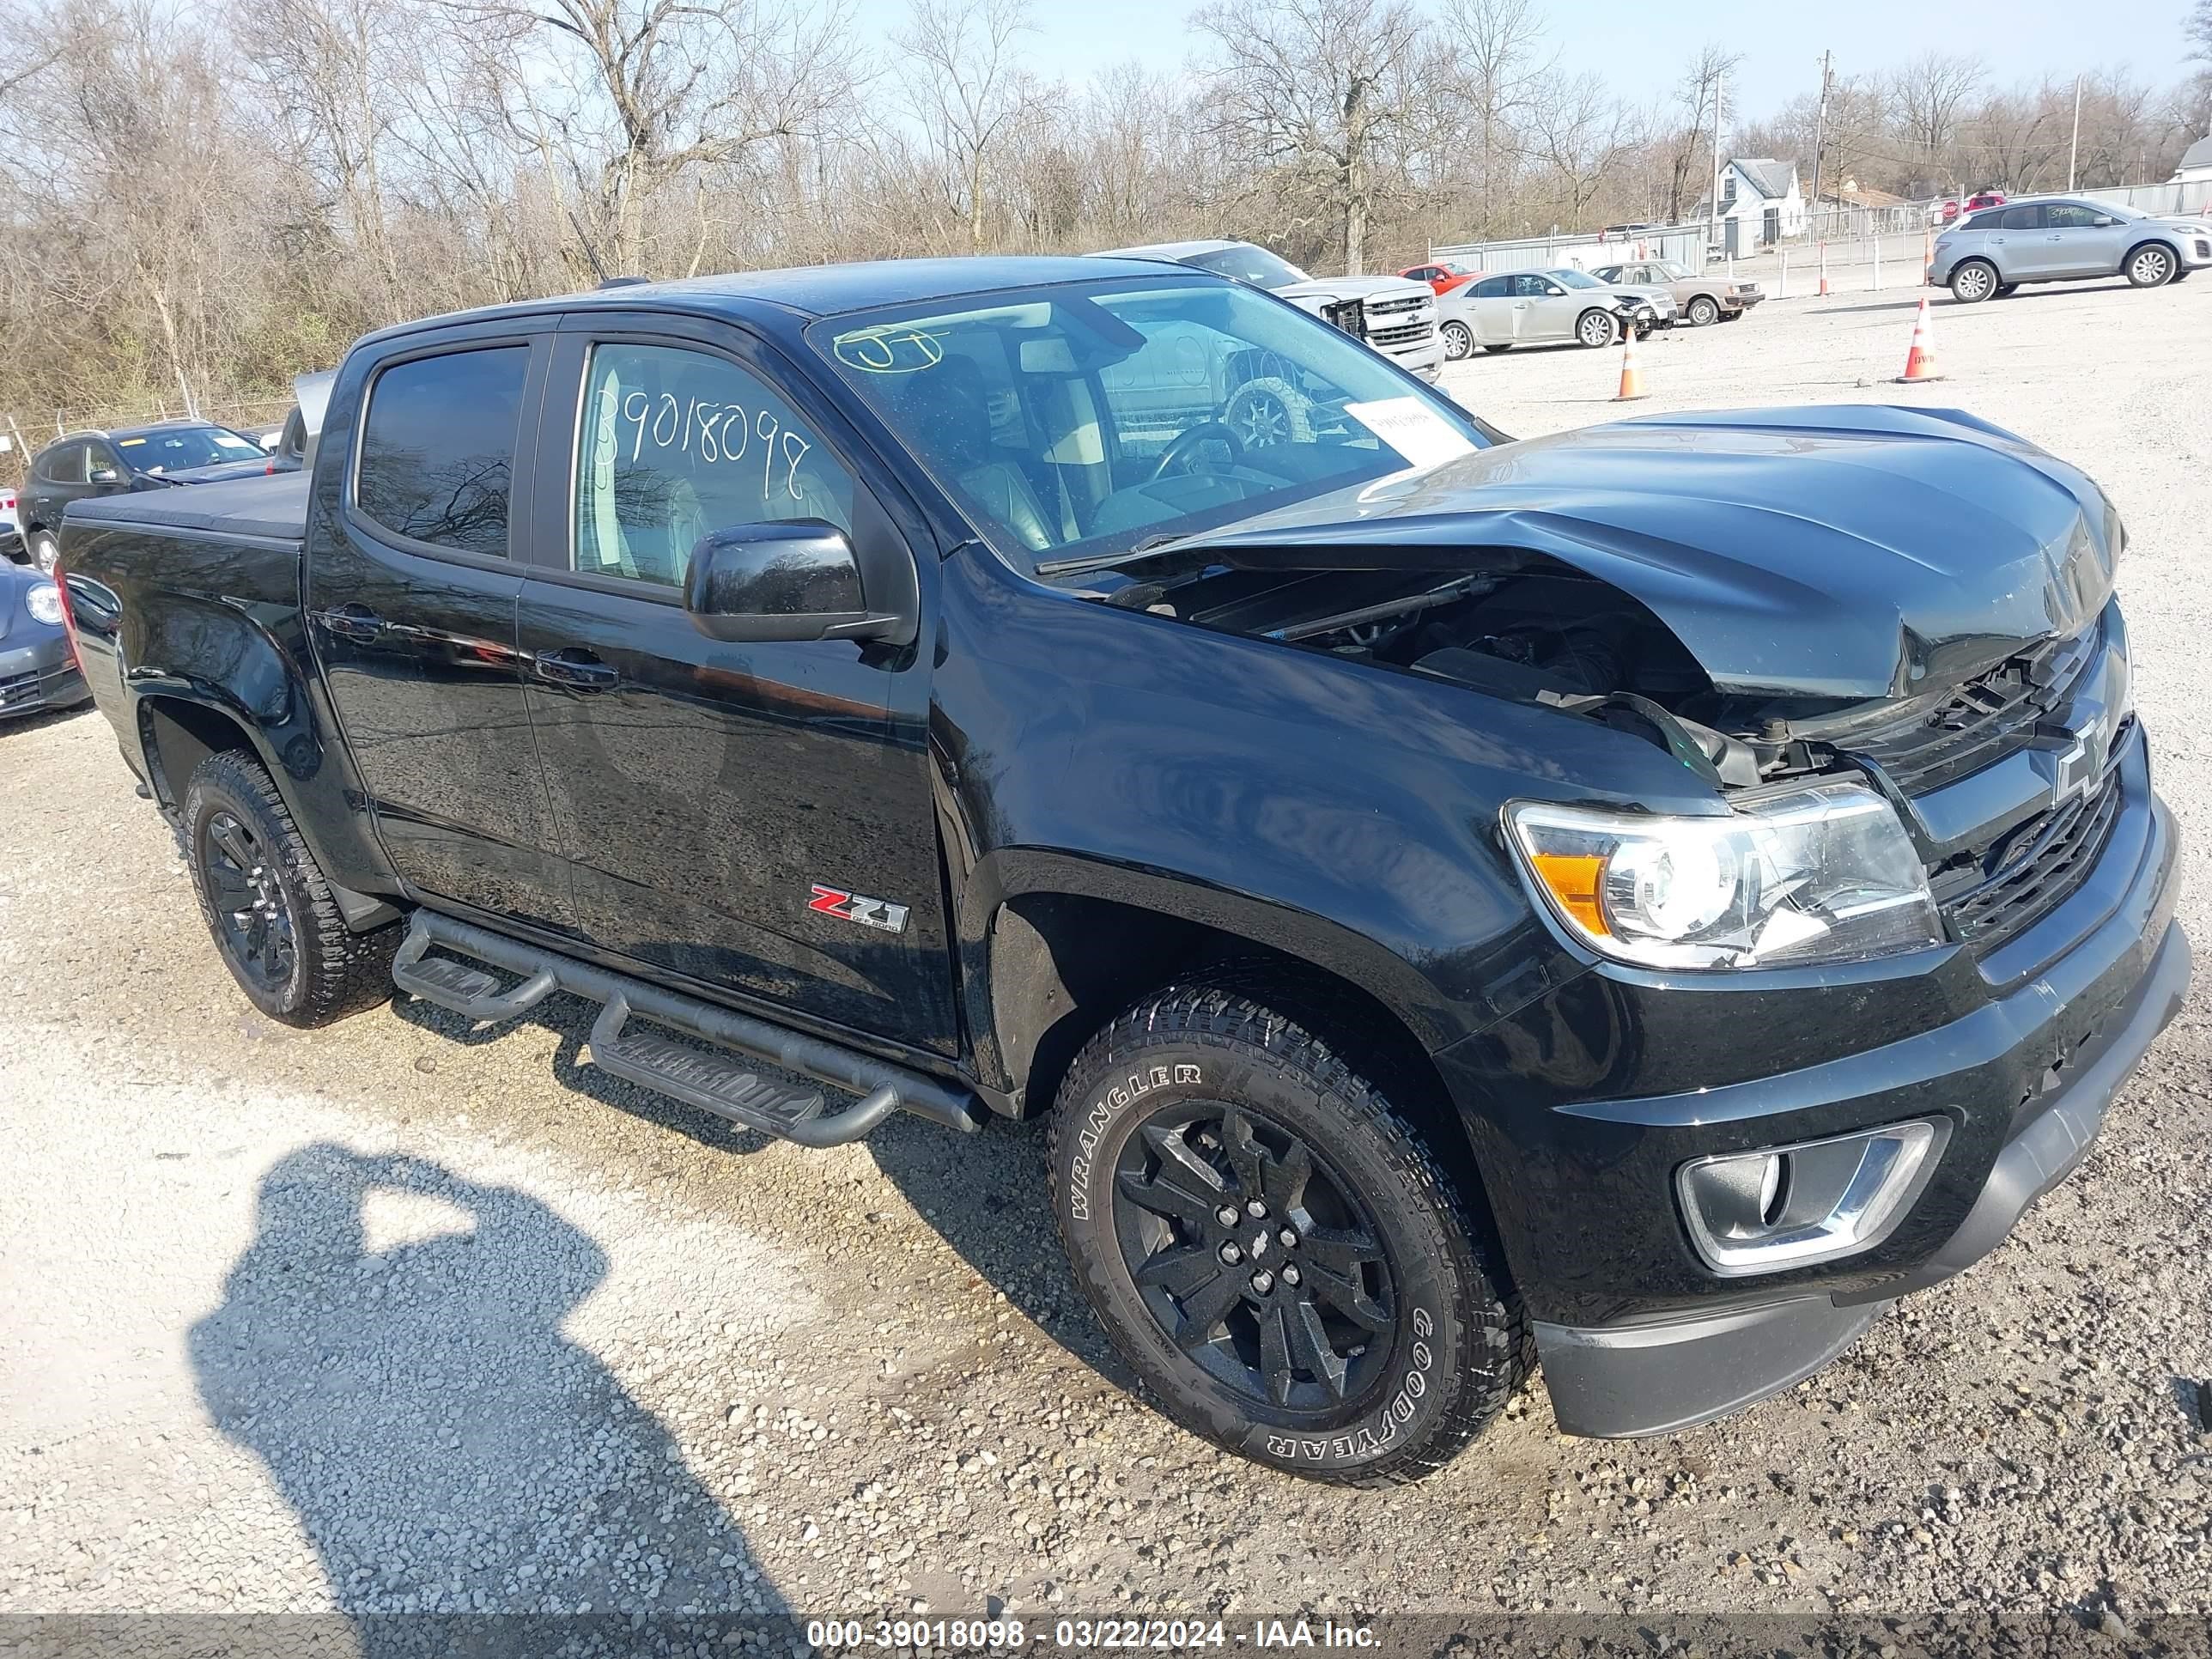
[1141, 551]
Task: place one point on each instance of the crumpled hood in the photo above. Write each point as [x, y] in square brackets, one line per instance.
[1849, 552]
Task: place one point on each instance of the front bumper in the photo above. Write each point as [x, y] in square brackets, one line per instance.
[1655, 1376]
[1583, 1105]
[38, 675]
[2196, 251]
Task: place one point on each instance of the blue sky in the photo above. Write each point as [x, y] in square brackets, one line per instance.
[1781, 42]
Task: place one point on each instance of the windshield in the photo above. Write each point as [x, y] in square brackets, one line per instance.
[1574, 279]
[1248, 263]
[1074, 423]
[179, 448]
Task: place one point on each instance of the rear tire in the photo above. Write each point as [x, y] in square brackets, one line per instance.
[1505, 346]
[1973, 282]
[2006, 290]
[2151, 265]
[1273, 1249]
[264, 898]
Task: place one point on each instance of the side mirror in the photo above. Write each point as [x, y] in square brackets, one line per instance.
[797, 580]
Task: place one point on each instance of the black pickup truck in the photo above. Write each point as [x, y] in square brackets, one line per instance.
[1643, 899]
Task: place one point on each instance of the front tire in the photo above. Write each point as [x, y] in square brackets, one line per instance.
[46, 551]
[1459, 342]
[1273, 1247]
[1596, 328]
[1973, 282]
[1704, 312]
[2152, 265]
[276, 925]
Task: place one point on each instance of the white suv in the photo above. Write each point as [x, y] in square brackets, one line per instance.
[1396, 316]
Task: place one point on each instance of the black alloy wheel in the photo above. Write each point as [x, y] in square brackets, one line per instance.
[1254, 1257]
[252, 912]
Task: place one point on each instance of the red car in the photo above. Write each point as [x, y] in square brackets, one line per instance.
[1442, 275]
[1985, 199]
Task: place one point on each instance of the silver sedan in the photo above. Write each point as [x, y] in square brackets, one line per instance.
[1545, 308]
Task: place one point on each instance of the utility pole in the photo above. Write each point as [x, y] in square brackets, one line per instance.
[2074, 148]
[1713, 215]
[1820, 126]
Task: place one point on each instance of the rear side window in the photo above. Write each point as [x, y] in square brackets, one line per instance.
[1492, 287]
[1992, 219]
[437, 447]
[62, 464]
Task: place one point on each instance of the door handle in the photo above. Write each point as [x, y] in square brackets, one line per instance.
[576, 668]
[355, 622]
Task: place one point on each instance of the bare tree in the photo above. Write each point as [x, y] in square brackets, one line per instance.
[965, 84]
[651, 89]
[1316, 90]
[1582, 133]
[1701, 104]
[1928, 96]
[1494, 79]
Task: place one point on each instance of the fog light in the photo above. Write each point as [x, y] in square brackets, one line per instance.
[1790, 1206]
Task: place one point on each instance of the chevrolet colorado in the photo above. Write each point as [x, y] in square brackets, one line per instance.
[1641, 900]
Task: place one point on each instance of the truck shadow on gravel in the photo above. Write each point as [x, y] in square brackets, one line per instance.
[449, 1451]
[986, 1195]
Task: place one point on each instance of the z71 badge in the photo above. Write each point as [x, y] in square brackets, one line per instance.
[859, 906]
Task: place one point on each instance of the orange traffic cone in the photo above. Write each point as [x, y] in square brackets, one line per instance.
[1920, 360]
[1632, 376]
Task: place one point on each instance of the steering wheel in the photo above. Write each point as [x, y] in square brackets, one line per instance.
[1177, 454]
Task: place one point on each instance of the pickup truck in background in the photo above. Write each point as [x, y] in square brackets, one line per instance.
[1639, 899]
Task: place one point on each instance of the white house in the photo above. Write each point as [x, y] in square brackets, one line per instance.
[1760, 202]
[2196, 163]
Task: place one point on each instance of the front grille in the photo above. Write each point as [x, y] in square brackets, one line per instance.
[1389, 308]
[1982, 721]
[1401, 334]
[2036, 867]
[18, 688]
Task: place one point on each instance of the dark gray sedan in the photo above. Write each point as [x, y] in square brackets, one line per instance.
[37, 669]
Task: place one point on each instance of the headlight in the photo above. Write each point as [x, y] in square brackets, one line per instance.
[43, 602]
[1821, 873]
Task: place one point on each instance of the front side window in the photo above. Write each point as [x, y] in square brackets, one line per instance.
[101, 466]
[1075, 421]
[2071, 215]
[674, 443]
[437, 447]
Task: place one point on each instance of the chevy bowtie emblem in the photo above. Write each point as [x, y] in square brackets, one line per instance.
[2082, 762]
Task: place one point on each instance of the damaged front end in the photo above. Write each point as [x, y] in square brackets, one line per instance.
[1978, 695]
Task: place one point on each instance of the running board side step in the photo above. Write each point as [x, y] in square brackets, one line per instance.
[714, 1081]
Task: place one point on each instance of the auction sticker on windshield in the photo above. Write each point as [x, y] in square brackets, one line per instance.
[1414, 429]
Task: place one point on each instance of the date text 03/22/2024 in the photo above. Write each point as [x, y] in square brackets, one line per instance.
[1152, 1635]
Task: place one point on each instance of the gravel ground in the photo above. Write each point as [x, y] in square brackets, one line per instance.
[394, 1317]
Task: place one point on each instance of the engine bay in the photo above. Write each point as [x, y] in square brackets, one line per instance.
[1523, 628]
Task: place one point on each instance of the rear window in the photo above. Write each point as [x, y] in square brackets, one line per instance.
[437, 447]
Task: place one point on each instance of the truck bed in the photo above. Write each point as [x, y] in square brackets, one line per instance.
[272, 507]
